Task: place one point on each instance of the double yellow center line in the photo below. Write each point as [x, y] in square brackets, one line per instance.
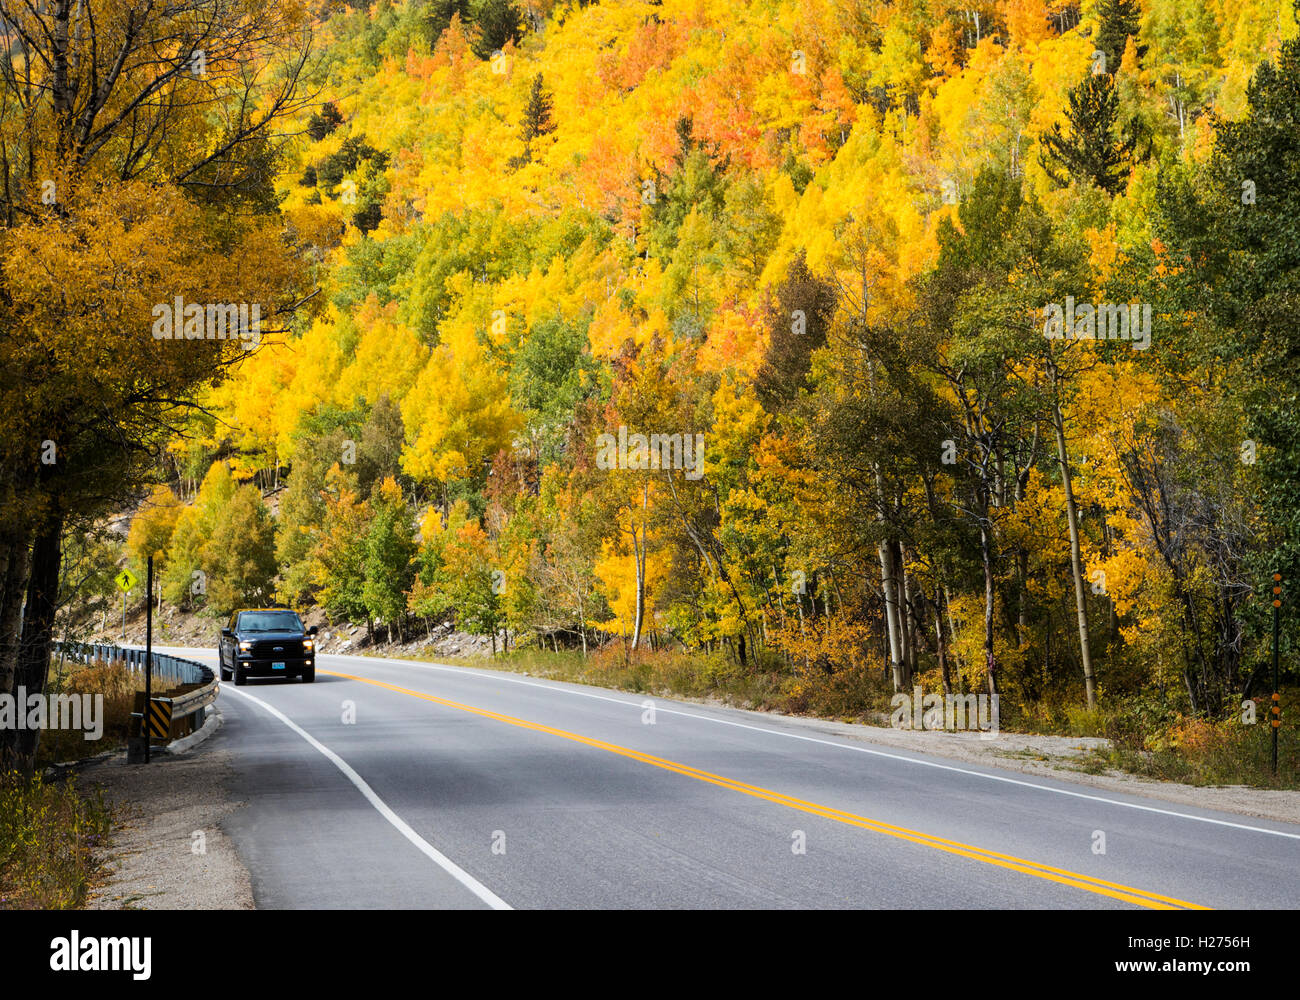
[1127, 894]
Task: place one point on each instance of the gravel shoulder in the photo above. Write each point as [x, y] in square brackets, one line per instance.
[167, 850]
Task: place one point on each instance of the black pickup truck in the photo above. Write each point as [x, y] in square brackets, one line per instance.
[267, 642]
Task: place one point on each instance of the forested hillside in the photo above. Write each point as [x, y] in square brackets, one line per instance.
[865, 344]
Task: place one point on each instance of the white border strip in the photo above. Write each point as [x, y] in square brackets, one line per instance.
[437, 857]
[571, 690]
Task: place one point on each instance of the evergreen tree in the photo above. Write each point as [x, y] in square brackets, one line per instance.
[697, 183]
[797, 318]
[437, 18]
[368, 217]
[321, 125]
[1095, 149]
[380, 448]
[1232, 232]
[535, 122]
[1119, 21]
[537, 112]
[498, 22]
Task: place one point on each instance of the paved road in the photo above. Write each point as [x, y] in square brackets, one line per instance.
[394, 784]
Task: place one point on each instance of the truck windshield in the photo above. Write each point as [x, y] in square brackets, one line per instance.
[269, 621]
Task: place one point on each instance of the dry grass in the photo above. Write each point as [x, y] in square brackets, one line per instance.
[117, 684]
[1199, 751]
[763, 686]
[49, 834]
[1147, 738]
[48, 839]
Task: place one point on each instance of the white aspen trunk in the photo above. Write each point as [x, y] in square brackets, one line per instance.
[1076, 562]
[638, 553]
[990, 659]
[891, 616]
[582, 622]
[802, 633]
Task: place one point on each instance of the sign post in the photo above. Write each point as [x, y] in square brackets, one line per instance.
[148, 653]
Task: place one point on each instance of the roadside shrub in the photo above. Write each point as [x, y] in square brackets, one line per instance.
[117, 684]
[48, 838]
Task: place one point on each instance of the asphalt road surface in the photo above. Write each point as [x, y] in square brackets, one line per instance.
[390, 784]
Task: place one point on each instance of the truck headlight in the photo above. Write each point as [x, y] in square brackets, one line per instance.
[245, 647]
[308, 645]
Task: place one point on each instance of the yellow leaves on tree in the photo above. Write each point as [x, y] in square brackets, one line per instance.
[616, 573]
[458, 414]
[388, 357]
[152, 527]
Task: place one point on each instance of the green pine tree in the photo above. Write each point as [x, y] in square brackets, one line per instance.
[1231, 230]
[437, 18]
[1095, 149]
[537, 112]
[1119, 21]
[498, 22]
[321, 125]
[536, 121]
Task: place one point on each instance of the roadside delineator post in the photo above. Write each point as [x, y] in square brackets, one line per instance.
[1275, 714]
[158, 719]
[148, 655]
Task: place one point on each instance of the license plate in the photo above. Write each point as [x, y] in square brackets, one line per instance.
[277, 666]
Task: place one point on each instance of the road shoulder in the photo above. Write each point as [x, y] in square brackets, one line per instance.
[167, 849]
[1060, 758]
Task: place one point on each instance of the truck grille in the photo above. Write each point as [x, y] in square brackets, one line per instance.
[271, 649]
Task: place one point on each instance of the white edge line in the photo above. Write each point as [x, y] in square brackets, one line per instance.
[559, 686]
[437, 857]
[565, 688]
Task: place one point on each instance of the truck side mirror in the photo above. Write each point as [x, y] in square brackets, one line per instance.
[226, 633]
[312, 630]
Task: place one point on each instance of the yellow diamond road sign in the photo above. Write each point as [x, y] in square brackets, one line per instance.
[125, 580]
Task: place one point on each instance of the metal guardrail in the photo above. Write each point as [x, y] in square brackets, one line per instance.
[165, 667]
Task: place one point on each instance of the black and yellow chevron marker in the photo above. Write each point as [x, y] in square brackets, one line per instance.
[159, 719]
